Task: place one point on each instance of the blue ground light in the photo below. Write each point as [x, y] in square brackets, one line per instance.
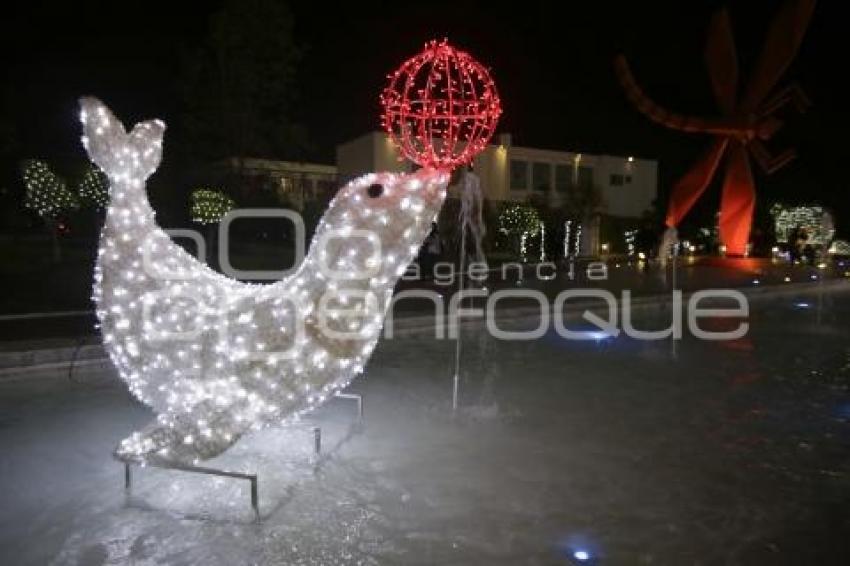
[577, 550]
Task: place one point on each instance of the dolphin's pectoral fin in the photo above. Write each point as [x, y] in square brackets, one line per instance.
[182, 438]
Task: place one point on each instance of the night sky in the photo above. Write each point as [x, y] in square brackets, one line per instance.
[551, 61]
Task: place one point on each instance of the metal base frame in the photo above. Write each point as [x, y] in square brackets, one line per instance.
[252, 478]
[255, 499]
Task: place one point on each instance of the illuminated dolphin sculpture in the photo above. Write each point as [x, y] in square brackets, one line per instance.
[215, 357]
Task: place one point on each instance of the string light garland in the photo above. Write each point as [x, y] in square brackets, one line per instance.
[630, 236]
[542, 241]
[577, 243]
[45, 192]
[209, 206]
[440, 107]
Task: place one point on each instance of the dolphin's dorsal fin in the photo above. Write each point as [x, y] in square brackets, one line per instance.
[110, 147]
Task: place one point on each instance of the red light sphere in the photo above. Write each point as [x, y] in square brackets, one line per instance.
[441, 107]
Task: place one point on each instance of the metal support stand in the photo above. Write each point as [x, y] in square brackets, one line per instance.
[357, 397]
[252, 478]
[317, 440]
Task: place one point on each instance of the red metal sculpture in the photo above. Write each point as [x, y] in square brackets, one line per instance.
[746, 122]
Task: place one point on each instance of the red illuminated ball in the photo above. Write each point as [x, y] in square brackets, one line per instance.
[441, 107]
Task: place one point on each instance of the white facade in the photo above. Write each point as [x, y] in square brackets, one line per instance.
[628, 185]
[374, 151]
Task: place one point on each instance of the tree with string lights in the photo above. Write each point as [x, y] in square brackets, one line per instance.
[47, 195]
[208, 207]
[519, 221]
[93, 188]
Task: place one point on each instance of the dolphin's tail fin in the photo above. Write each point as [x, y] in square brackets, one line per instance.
[184, 439]
[117, 153]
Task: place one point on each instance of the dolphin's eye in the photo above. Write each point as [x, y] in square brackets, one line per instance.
[375, 190]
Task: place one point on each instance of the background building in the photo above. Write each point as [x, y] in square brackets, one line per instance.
[606, 195]
[292, 183]
[624, 187]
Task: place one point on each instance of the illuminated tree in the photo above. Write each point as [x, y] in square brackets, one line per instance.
[47, 195]
[45, 192]
[519, 221]
[813, 219]
[210, 206]
[93, 188]
[840, 247]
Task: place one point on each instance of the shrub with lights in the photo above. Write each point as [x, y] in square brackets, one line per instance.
[209, 206]
[840, 248]
[48, 196]
[45, 192]
[93, 188]
[816, 222]
[520, 221]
